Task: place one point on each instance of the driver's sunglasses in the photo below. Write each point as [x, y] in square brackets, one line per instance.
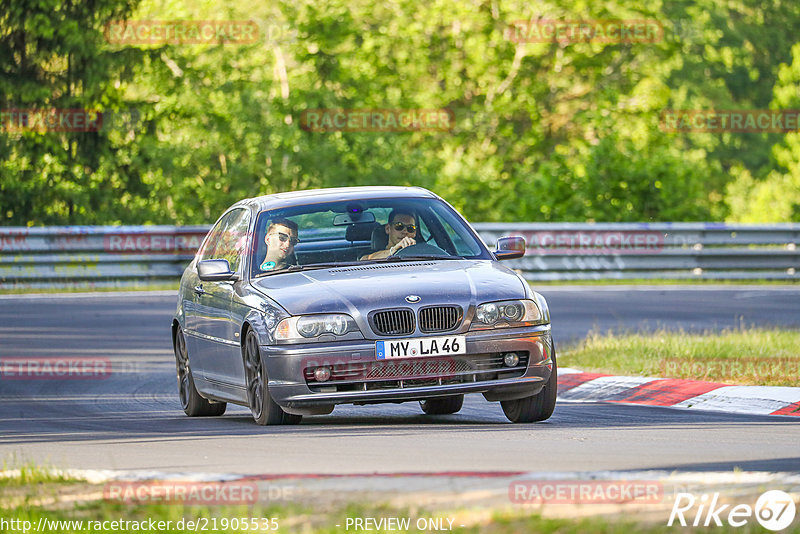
[286, 237]
[412, 228]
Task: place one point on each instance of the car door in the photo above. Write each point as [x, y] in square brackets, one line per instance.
[226, 364]
[213, 337]
[191, 297]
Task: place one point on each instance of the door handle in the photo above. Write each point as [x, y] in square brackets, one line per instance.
[199, 290]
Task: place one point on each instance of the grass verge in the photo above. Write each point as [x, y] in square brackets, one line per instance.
[757, 356]
[28, 474]
[167, 286]
[35, 501]
[663, 282]
[173, 286]
[66, 513]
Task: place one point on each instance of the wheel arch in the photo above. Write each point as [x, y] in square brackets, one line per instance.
[175, 326]
[254, 320]
[246, 327]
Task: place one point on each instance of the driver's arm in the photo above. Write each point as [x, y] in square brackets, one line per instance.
[385, 253]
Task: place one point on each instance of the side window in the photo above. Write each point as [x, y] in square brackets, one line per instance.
[213, 236]
[463, 244]
[424, 233]
[462, 247]
[228, 239]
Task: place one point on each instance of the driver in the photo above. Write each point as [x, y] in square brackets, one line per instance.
[280, 239]
[401, 229]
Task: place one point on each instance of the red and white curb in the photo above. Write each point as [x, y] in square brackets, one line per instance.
[575, 385]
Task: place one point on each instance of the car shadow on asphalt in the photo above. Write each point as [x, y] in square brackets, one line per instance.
[168, 423]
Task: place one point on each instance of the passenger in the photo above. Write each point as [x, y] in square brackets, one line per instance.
[401, 229]
[280, 239]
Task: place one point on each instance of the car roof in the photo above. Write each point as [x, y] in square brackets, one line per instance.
[313, 196]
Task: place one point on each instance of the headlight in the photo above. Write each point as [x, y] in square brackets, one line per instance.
[308, 327]
[543, 307]
[507, 313]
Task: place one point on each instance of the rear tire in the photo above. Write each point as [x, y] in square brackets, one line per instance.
[538, 407]
[442, 405]
[192, 403]
[265, 410]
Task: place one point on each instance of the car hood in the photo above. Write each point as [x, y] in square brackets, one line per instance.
[360, 289]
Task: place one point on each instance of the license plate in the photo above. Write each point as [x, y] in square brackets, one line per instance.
[421, 347]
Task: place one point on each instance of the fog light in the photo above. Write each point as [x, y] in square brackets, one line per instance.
[322, 374]
[511, 359]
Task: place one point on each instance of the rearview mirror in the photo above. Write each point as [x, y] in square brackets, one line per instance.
[355, 217]
[216, 271]
[510, 247]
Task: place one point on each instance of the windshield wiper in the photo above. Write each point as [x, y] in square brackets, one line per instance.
[310, 267]
[333, 265]
[330, 264]
[418, 258]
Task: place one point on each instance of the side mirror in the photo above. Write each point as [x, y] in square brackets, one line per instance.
[216, 271]
[510, 247]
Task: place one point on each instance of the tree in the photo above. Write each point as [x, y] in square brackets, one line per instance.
[52, 56]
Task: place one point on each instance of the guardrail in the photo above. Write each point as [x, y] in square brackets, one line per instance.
[95, 256]
[120, 256]
[717, 251]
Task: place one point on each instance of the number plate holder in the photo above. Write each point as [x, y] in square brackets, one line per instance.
[420, 347]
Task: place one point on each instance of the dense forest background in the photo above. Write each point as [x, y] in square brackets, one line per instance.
[543, 131]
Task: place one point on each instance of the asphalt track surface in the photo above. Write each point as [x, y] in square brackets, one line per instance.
[132, 419]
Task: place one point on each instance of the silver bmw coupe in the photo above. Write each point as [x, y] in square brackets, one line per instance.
[297, 302]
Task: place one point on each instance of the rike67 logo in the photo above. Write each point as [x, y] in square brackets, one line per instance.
[774, 510]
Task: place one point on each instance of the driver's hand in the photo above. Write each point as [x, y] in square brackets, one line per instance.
[405, 242]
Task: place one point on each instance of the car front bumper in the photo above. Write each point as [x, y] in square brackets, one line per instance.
[286, 365]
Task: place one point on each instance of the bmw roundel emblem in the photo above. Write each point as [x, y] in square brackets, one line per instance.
[413, 298]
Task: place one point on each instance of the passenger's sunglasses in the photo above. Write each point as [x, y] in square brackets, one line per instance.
[286, 237]
[412, 228]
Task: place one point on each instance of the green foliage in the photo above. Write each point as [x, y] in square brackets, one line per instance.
[776, 197]
[543, 131]
[52, 55]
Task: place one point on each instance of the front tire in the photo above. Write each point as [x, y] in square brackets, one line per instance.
[442, 405]
[192, 403]
[265, 410]
[538, 407]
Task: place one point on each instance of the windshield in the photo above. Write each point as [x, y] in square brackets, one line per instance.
[343, 233]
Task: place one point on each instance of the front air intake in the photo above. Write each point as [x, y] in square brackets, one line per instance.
[398, 322]
[439, 318]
